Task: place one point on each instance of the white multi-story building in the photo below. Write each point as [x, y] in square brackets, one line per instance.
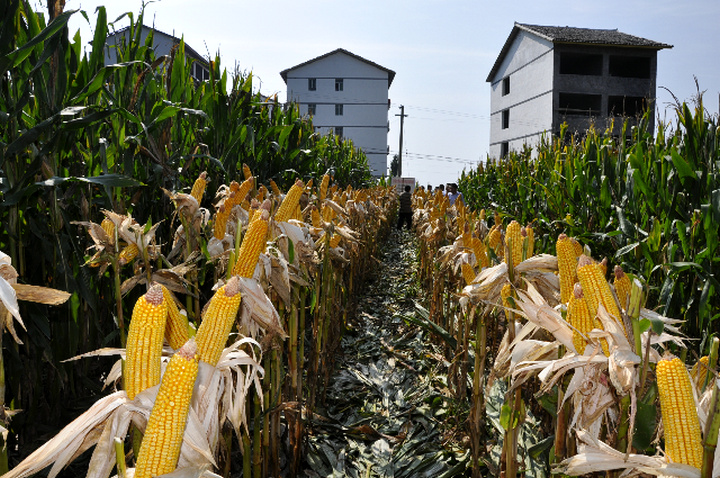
[348, 95]
[546, 76]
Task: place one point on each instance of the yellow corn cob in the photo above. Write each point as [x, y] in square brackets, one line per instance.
[160, 449]
[128, 253]
[328, 213]
[220, 223]
[683, 442]
[198, 189]
[603, 264]
[290, 202]
[309, 185]
[468, 273]
[578, 315]
[246, 171]
[262, 193]
[316, 219]
[596, 288]
[483, 214]
[699, 372]
[514, 243]
[622, 287]
[494, 240]
[481, 256]
[567, 266]
[243, 190]
[144, 342]
[177, 328]
[324, 187]
[275, 189]
[529, 235]
[498, 220]
[577, 246]
[252, 245]
[218, 321]
[505, 293]
[335, 240]
[109, 227]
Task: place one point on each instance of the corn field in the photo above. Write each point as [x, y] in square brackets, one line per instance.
[181, 262]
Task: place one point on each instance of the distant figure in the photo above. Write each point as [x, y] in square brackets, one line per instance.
[441, 188]
[429, 188]
[454, 194]
[406, 212]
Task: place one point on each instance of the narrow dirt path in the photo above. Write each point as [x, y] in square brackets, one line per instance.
[387, 412]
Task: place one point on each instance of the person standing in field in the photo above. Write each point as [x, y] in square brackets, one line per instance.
[453, 193]
[406, 211]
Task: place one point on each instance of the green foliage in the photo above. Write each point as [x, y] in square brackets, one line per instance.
[651, 204]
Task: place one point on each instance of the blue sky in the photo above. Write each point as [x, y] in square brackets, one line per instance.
[441, 51]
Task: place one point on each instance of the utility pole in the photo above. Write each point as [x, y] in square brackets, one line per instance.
[402, 116]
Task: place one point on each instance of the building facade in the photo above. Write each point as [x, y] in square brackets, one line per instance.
[163, 43]
[545, 76]
[347, 95]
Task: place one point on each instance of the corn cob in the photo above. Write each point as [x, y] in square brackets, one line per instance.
[275, 189]
[468, 273]
[699, 373]
[316, 219]
[324, 187]
[506, 293]
[494, 240]
[309, 185]
[109, 227]
[220, 224]
[622, 287]
[497, 219]
[577, 246]
[578, 315]
[567, 266]
[290, 202]
[483, 214]
[514, 243]
[603, 264]
[198, 189]
[683, 442]
[144, 342]
[335, 240]
[128, 253]
[177, 328]
[529, 247]
[252, 245]
[246, 171]
[481, 256]
[160, 449]
[243, 190]
[218, 321]
[596, 288]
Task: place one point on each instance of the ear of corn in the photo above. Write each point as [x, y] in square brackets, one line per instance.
[578, 315]
[246, 171]
[481, 256]
[335, 240]
[220, 224]
[597, 289]
[198, 189]
[494, 240]
[163, 438]
[506, 293]
[622, 287]
[275, 189]
[683, 441]
[252, 244]
[290, 202]
[109, 227]
[468, 273]
[514, 243]
[177, 328]
[699, 373]
[567, 266]
[128, 253]
[218, 321]
[144, 342]
[529, 246]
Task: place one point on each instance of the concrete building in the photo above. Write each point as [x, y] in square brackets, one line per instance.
[163, 43]
[348, 95]
[546, 75]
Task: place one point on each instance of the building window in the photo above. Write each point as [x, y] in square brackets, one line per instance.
[629, 66]
[338, 84]
[579, 104]
[200, 72]
[312, 108]
[312, 84]
[338, 131]
[506, 86]
[505, 119]
[630, 106]
[581, 64]
[504, 149]
[338, 110]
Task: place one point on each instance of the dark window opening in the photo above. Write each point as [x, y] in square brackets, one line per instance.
[506, 86]
[630, 66]
[579, 104]
[626, 106]
[504, 149]
[312, 107]
[312, 84]
[338, 131]
[505, 119]
[338, 110]
[580, 64]
[338, 84]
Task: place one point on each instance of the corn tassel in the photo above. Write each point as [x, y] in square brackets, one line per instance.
[514, 243]
[622, 287]
[290, 202]
[567, 267]
[252, 245]
[144, 342]
[160, 449]
[578, 315]
[198, 189]
[218, 321]
[683, 442]
[177, 327]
